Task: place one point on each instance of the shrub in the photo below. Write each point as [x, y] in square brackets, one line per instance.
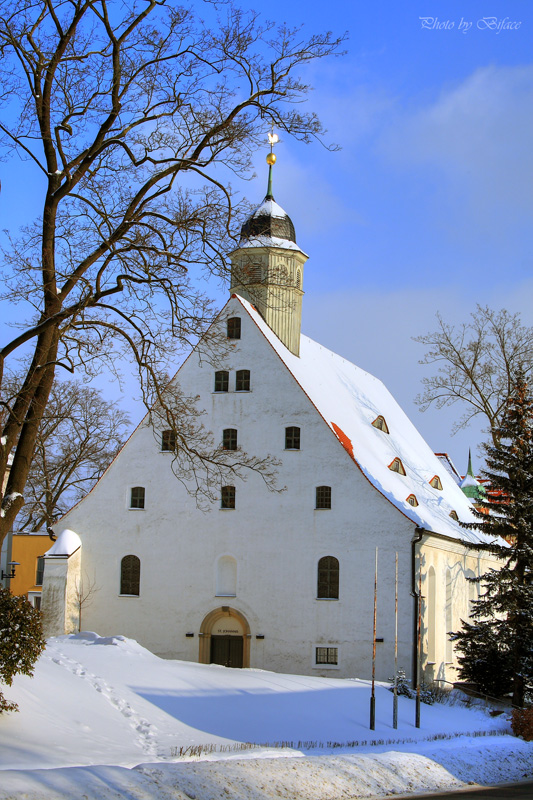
[403, 688]
[522, 723]
[21, 640]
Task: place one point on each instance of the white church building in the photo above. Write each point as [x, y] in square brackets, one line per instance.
[276, 580]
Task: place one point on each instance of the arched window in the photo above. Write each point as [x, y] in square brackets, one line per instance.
[397, 466]
[292, 438]
[323, 497]
[168, 441]
[453, 515]
[242, 380]
[221, 381]
[137, 497]
[234, 328]
[412, 500]
[431, 614]
[130, 575]
[472, 590]
[226, 577]
[328, 578]
[380, 424]
[449, 616]
[227, 497]
[229, 439]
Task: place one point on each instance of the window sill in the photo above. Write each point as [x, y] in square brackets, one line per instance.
[326, 508]
[130, 508]
[129, 595]
[226, 509]
[225, 595]
[328, 599]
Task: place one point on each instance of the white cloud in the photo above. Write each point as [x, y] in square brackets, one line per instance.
[477, 136]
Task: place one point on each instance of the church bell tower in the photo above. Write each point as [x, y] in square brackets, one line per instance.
[267, 267]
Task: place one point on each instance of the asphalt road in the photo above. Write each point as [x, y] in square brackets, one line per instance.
[507, 791]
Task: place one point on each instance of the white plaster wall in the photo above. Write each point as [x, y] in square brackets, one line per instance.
[59, 602]
[276, 538]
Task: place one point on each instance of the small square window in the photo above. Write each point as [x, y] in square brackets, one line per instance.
[292, 438]
[137, 497]
[234, 328]
[229, 439]
[327, 655]
[221, 381]
[242, 380]
[227, 497]
[323, 497]
[168, 441]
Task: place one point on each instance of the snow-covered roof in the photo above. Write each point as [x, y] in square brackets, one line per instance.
[270, 208]
[469, 480]
[269, 241]
[65, 545]
[350, 400]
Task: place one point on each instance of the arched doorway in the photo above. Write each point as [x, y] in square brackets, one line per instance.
[225, 638]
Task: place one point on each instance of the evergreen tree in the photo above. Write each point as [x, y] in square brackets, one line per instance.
[21, 640]
[497, 649]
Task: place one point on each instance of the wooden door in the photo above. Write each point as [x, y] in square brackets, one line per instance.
[226, 650]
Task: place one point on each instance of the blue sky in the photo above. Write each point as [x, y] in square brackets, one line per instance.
[427, 206]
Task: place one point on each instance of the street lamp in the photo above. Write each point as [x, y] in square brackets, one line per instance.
[11, 566]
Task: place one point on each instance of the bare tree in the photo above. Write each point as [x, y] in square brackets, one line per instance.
[84, 591]
[79, 435]
[478, 365]
[134, 115]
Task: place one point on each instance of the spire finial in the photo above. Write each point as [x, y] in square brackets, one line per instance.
[470, 471]
[273, 139]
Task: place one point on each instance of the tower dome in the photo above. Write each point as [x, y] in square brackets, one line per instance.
[268, 222]
[267, 267]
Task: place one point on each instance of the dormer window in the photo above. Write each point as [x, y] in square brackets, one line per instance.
[397, 466]
[380, 424]
[436, 482]
[453, 515]
[234, 328]
[412, 500]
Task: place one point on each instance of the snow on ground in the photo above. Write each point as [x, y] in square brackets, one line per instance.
[105, 718]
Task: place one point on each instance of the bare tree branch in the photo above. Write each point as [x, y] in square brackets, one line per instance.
[477, 365]
[136, 112]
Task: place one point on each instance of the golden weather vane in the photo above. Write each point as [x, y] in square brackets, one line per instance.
[273, 139]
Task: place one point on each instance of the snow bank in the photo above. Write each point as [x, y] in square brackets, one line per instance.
[104, 718]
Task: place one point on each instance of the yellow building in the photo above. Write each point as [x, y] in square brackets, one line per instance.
[28, 550]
